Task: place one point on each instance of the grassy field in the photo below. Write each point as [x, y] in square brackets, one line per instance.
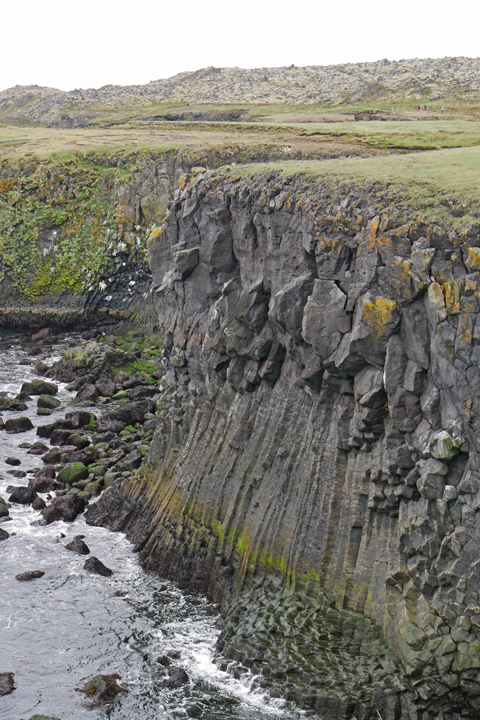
[443, 184]
[427, 160]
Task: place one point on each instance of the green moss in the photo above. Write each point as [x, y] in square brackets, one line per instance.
[58, 223]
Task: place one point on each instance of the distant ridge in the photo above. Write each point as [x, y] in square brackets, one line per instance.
[447, 78]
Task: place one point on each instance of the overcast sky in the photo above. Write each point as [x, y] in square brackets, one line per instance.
[92, 43]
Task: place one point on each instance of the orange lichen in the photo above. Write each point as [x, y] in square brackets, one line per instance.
[379, 313]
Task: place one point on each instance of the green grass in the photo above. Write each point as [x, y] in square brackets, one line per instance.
[431, 182]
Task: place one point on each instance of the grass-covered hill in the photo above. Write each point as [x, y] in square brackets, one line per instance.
[382, 83]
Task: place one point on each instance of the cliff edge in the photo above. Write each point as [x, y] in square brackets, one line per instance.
[315, 461]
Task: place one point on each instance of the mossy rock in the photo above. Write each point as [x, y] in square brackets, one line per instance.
[93, 488]
[73, 473]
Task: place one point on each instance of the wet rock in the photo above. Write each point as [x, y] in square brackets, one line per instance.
[80, 441]
[53, 456]
[30, 575]
[86, 456]
[23, 496]
[40, 368]
[7, 683]
[72, 473]
[60, 436]
[37, 448]
[18, 425]
[13, 461]
[77, 545]
[79, 418]
[40, 335]
[7, 404]
[4, 535]
[23, 397]
[172, 676]
[94, 565]
[40, 387]
[102, 689]
[17, 473]
[46, 431]
[66, 507]
[48, 401]
[3, 508]
[39, 503]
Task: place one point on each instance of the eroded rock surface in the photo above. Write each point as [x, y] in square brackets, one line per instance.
[316, 452]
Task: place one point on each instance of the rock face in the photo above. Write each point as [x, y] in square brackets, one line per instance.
[315, 461]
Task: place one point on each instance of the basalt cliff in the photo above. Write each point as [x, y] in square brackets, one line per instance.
[315, 461]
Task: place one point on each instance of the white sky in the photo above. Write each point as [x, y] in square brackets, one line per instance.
[90, 43]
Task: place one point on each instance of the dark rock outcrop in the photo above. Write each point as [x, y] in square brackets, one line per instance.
[315, 460]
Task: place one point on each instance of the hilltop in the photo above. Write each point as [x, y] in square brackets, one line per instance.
[384, 81]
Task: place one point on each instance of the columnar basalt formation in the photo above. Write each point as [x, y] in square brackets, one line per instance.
[315, 464]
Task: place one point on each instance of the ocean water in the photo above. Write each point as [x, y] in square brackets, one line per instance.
[70, 625]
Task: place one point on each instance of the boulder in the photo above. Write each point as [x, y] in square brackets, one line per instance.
[48, 401]
[13, 461]
[7, 404]
[127, 414]
[37, 448]
[94, 565]
[23, 496]
[46, 431]
[65, 507]
[132, 461]
[79, 418]
[4, 535]
[17, 473]
[7, 683]
[18, 425]
[72, 473]
[102, 689]
[40, 387]
[78, 546]
[30, 575]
